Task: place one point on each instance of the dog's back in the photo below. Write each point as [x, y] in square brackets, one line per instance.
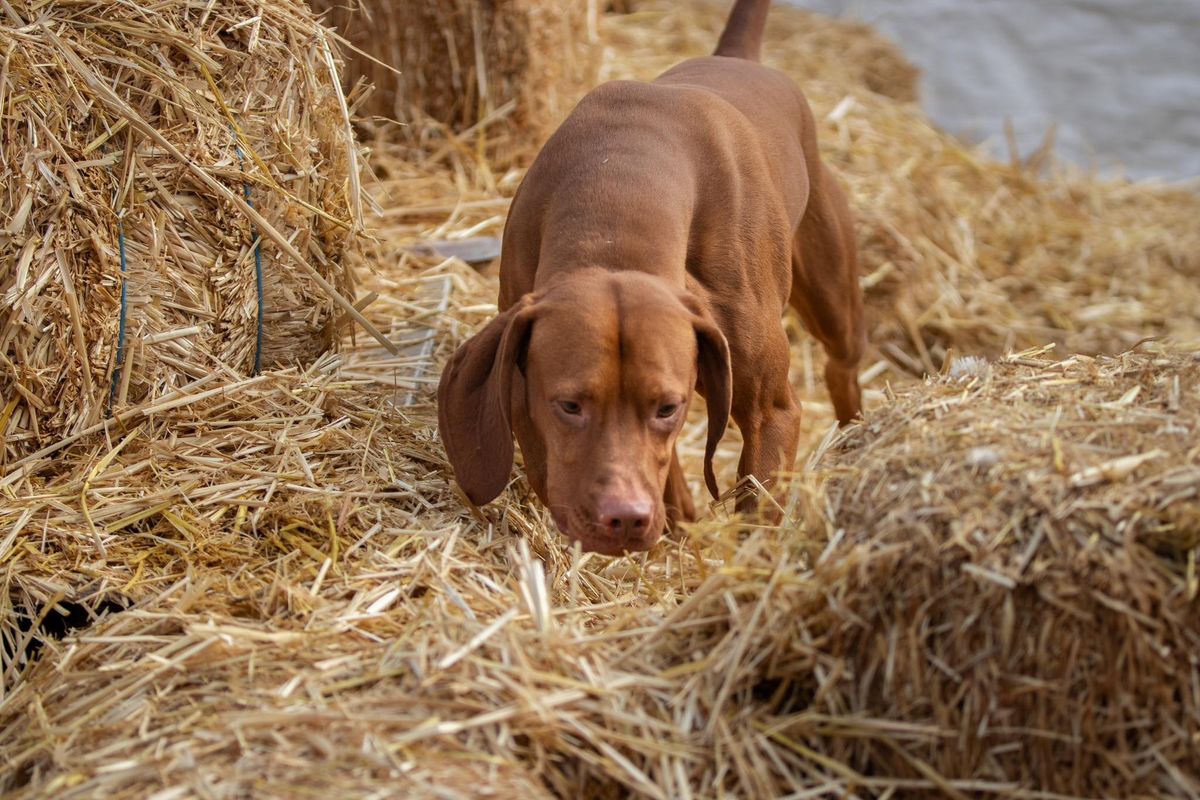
[749, 136]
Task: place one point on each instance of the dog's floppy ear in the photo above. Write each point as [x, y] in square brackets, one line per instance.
[475, 403]
[713, 372]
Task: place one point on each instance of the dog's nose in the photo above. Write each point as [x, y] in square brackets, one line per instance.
[625, 516]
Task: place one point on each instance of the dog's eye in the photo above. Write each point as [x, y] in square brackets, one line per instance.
[570, 407]
[667, 410]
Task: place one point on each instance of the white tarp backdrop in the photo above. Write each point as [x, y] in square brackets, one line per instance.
[1121, 78]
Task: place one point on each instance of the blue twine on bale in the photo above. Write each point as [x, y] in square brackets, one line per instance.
[258, 263]
[120, 362]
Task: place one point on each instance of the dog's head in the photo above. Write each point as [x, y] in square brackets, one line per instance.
[595, 375]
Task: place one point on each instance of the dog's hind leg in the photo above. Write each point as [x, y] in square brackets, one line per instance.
[826, 291]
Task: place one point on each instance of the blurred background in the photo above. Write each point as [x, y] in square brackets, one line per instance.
[1120, 78]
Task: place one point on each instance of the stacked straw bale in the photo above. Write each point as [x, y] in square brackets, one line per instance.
[1003, 597]
[911, 637]
[119, 119]
[514, 65]
[807, 46]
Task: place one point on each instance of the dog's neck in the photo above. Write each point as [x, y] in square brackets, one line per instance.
[631, 242]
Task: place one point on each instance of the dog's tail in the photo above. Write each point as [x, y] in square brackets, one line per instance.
[742, 37]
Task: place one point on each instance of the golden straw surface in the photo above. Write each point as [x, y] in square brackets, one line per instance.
[988, 589]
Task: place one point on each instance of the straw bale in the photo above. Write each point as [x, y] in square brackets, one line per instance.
[311, 607]
[515, 66]
[339, 632]
[808, 46]
[1002, 597]
[122, 118]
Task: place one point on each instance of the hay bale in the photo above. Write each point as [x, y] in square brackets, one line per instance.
[961, 252]
[120, 144]
[1002, 599]
[284, 630]
[809, 46]
[1081, 447]
[522, 63]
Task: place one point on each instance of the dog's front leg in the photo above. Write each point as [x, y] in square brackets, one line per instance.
[677, 498]
[767, 413]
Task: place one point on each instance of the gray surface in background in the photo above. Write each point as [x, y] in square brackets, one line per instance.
[1120, 77]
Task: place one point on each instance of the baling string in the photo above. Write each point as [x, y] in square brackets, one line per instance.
[119, 365]
[258, 262]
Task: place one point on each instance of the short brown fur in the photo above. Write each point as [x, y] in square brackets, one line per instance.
[653, 246]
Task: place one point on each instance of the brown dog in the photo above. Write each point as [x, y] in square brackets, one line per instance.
[652, 248]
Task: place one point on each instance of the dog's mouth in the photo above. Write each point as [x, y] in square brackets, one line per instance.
[595, 538]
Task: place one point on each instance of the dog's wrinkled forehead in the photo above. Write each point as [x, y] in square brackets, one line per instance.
[595, 327]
